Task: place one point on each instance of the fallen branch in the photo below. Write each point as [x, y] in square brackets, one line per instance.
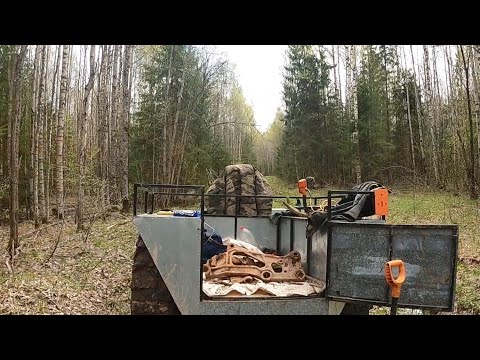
[118, 224]
[80, 253]
[56, 244]
[95, 265]
[37, 230]
[469, 260]
[7, 262]
[89, 228]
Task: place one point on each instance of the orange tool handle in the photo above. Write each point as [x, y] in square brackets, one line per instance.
[395, 284]
[302, 186]
[381, 201]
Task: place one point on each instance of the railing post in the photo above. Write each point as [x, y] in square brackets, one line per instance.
[135, 189]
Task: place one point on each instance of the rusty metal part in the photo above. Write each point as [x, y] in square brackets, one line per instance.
[242, 279]
[239, 262]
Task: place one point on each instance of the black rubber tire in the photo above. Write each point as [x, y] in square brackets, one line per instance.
[150, 295]
[356, 309]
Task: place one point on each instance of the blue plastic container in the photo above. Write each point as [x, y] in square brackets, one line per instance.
[187, 213]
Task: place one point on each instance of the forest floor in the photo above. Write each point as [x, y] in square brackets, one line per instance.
[85, 275]
[89, 273]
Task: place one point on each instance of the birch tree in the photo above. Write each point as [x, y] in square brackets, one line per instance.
[60, 133]
[473, 181]
[41, 139]
[430, 118]
[354, 114]
[34, 140]
[124, 121]
[419, 119]
[15, 112]
[83, 141]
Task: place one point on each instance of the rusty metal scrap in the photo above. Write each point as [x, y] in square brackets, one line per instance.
[239, 262]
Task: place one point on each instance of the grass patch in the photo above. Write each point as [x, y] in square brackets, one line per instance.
[468, 289]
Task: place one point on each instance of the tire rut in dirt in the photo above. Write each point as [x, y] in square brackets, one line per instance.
[150, 295]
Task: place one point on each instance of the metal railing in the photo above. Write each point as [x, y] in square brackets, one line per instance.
[151, 191]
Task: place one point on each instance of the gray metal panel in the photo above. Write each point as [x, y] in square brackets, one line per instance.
[358, 252]
[174, 244]
[263, 230]
[223, 226]
[300, 240]
[285, 235]
[357, 260]
[298, 306]
[429, 257]
[318, 257]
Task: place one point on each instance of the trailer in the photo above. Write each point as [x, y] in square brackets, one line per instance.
[347, 257]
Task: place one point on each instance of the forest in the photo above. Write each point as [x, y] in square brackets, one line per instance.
[79, 125]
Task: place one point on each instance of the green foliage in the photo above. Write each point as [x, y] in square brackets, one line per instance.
[376, 149]
[267, 144]
[6, 56]
[317, 136]
[275, 130]
[210, 96]
[312, 140]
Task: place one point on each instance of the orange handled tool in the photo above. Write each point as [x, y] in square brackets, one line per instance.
[395, 284]
[302, 189]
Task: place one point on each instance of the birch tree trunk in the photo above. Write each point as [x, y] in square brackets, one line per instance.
[60, 156]
[48, 140]
[113, 118]
[387, 100]
[419, 117]
[41, 140]
[108, 120]
[335, 83]
[473, 182]
[356, 147]
[412, 148]
[103, 138]
[451, 113]
[430, 120]
[439, 121]
[15, 85]
[83, 141]
[175, 124]
[475, 54]
[339, 82]
[124, 121]
[165, 117]
[33, 141]
[154, 156]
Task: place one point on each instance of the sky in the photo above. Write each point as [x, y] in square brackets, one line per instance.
[259, 72]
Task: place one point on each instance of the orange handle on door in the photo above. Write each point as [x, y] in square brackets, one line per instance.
[395, 284]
